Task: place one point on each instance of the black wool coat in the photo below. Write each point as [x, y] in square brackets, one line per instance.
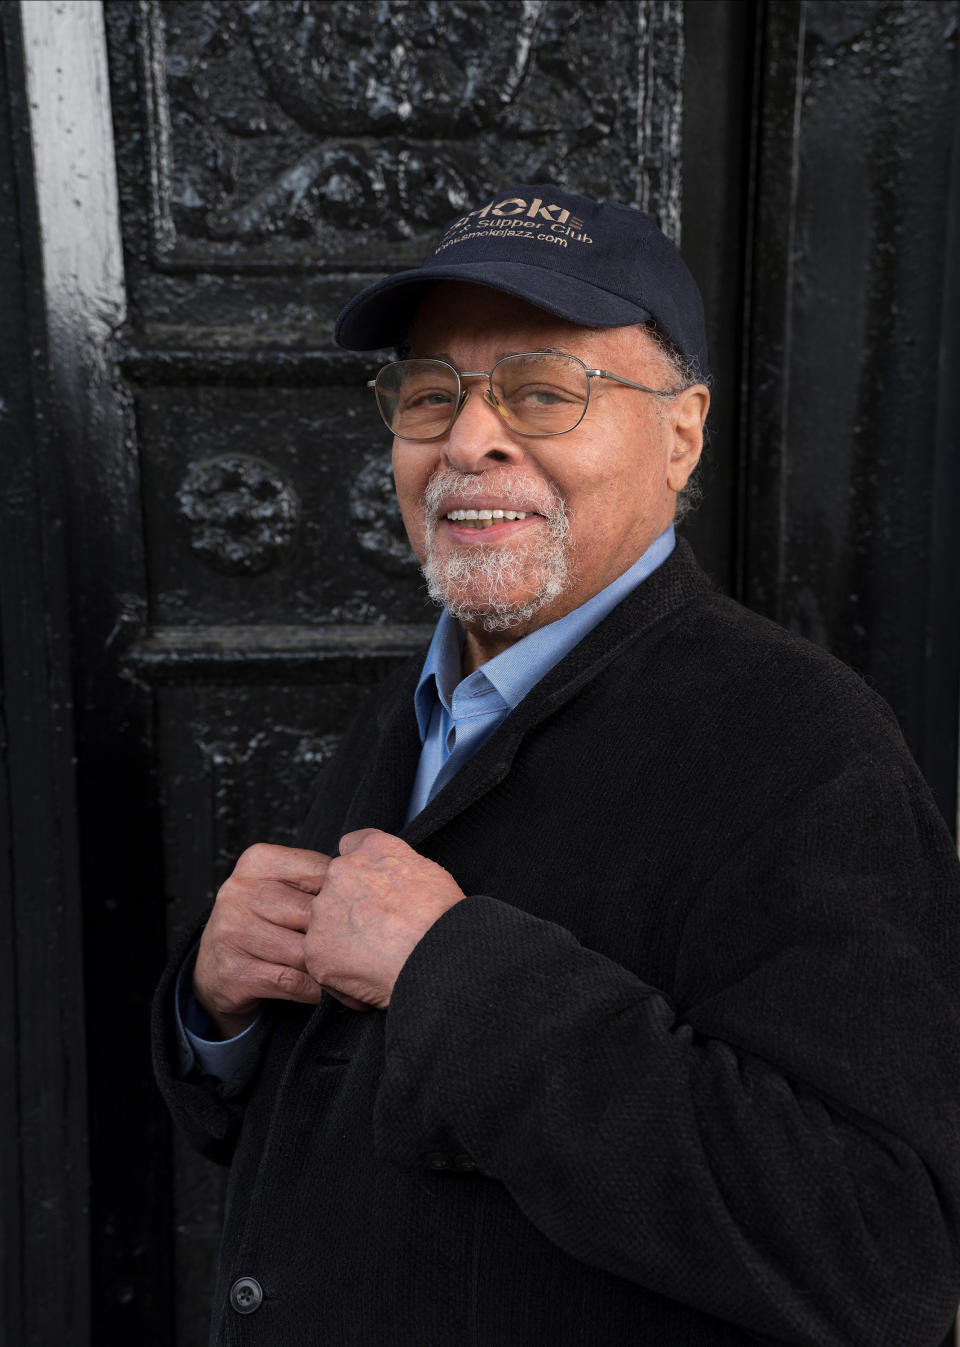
[681, 1071]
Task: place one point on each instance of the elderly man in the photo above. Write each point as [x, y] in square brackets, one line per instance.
[650, 913]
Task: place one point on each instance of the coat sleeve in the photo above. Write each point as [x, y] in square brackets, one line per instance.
[777, 1142]
[208, 1110]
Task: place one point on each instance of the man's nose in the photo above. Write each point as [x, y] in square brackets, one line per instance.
[479, 436]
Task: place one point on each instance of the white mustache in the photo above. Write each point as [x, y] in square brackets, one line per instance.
[516, 492]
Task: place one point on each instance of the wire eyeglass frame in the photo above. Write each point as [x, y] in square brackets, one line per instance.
[491, 398]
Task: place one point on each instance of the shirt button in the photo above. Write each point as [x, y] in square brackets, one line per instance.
[246, 1295]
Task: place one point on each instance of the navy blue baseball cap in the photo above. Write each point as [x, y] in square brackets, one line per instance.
[593, 262]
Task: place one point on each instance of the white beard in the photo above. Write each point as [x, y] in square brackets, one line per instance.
[475, 583]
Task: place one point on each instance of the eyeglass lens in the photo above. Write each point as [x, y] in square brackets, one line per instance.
[536, 394]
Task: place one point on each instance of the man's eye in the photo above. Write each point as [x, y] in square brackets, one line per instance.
[427, 397]
[540, 395]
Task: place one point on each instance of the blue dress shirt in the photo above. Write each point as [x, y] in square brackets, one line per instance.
[455, 716]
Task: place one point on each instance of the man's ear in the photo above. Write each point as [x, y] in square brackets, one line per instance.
[686, 419]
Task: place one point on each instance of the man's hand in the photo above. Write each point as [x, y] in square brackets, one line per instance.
[378, 899]
[253, 945]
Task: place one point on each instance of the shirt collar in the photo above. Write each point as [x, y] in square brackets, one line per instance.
[518, 668]
[441, 670]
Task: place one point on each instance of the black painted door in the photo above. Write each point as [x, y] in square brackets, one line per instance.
[196, 492]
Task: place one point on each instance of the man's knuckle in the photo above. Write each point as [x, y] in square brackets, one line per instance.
[256, 855]
[287, 979]
[224, 893]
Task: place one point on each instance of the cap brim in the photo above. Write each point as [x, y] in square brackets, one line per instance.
[380, 316]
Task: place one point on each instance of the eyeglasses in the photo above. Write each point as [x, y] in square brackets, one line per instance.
[535, 392]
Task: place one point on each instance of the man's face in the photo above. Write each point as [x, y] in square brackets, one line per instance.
[594, 498]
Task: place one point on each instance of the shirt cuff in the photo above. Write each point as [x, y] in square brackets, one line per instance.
[197, 1049]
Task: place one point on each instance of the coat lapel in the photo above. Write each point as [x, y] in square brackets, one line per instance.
[641, 618]
[381, 799]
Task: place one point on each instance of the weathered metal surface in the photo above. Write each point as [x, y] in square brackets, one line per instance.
[334, 133]
[44, 1177]
[79, 269]
[718, 76]
[300, 654]
[243, 512]
[857, 184]
[336, 557]
[239, 171]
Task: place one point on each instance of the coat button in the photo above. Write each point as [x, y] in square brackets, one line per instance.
[246, 1295]
[436, 1160]
[465, 1163]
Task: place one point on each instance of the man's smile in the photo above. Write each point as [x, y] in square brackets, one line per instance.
[495, 522]
[459, 508]
[481, 519]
